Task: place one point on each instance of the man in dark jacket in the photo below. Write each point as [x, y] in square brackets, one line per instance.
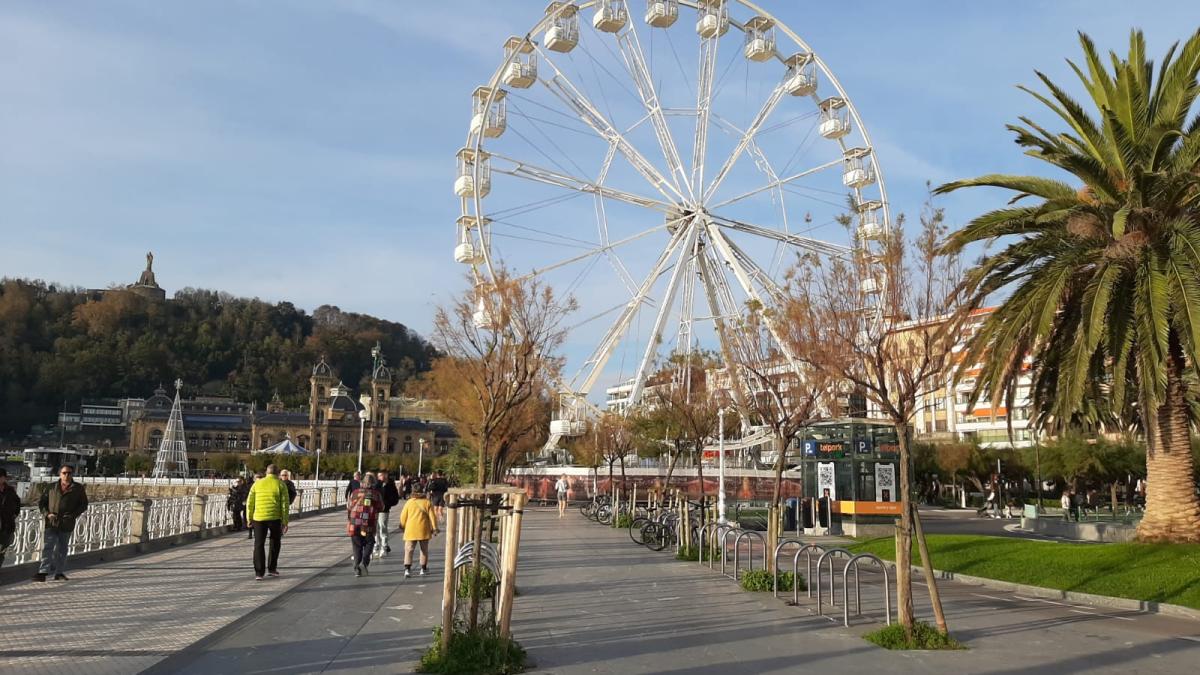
[10, 506]
[391, 497]
[236, 503]
[354, 484]
[62, 505]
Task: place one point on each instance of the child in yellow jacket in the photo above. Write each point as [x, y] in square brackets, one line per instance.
[419, 525]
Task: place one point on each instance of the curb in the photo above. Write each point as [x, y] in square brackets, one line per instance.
[1108, 601]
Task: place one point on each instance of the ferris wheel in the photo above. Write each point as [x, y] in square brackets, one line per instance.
[664, 168]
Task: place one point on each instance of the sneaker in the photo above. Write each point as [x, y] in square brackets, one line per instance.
[407, 574]
[273, 573]
[258, 578]
[60, 577]
[357, 571]
[40, 576]
[422, 572]
[387, 549]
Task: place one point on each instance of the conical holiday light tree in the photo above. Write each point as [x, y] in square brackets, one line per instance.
[171, 461]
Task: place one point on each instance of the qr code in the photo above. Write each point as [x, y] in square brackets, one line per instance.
[825, 474]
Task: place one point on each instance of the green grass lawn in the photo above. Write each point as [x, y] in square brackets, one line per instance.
[1157, 572]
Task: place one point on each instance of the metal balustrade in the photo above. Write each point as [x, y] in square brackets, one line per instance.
[110, 524]
[169, 517]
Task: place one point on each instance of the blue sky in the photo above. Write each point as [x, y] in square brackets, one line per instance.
[303, 150]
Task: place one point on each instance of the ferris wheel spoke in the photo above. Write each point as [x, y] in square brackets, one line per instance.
[599, 358]
[748, 138]
[519, 169]
[566, 91]
[807, 243]
[606, 248]
[635, 63]
[780, 182]
[664, 310]
[722, 308]
[704, 87]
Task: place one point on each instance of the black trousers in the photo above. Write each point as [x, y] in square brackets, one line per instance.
[363, 546]
[262, 528]
[237, 520]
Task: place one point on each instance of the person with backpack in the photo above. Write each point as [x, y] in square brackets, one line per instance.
[362, 513]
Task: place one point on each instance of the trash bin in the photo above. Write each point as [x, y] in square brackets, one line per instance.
[789, 514]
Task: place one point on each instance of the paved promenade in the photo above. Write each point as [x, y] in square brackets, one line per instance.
[590, 602]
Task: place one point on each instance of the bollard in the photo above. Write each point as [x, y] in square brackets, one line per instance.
[448, 589]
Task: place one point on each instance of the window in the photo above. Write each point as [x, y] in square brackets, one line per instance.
[939, 403]
[391, 446]
[407, 446]
[939, 425]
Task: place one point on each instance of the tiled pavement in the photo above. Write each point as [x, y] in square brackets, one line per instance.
[125, 616]
[590, 602]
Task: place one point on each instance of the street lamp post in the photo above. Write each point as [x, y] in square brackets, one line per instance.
[420, 455]
[318, 462]
[362, 430]
[721, 464]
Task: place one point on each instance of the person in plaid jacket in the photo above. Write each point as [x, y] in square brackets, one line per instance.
[362, 512]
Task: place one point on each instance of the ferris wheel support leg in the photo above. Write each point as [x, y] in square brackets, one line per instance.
[719, 312]
[664, 309]
[605, 349]
[725, 248]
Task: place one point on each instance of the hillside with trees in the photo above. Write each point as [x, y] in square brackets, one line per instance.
[66, 344]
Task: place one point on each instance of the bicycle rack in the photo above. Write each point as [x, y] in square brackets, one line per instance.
[487, 556]
[775, 559]
[807, 550]
[887, 591]
[706, 535]
[832, 598]
[725, 544]
[737, 546]
[717, 534]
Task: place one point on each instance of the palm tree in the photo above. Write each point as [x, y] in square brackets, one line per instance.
[1103, 272]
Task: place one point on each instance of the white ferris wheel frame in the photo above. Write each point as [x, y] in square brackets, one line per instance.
[674, 187]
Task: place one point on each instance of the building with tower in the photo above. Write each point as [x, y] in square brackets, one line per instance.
[393, 424]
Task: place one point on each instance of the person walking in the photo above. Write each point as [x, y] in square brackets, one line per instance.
[362, 513]
[354, 484]
[235, 503]
[1066, 505]
[61, 505]
[562, 487]
[390, 495]
[267, 512]
[437, 488]
[10, 507]
[419, 524]
[286, 477]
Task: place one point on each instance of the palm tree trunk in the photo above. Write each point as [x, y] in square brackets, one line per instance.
[1172, 508]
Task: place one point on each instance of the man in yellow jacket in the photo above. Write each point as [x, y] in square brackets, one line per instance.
[419, 525]
[267, 512]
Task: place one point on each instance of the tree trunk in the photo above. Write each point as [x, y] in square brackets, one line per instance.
[674, 454]
[935, 597]
[477, 538]
[776, 500]
[904, 601]
[1172, 508]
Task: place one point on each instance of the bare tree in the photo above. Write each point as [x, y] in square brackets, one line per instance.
[685, 409]
[500, 342]
[780, 393]
[880, 321]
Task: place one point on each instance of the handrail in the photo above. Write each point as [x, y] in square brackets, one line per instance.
[807, 550]
[887, 592]
[828, 554]
[775, 563]
[737, 545]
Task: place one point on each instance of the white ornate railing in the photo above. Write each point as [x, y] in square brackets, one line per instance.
[103, 525]
[168, 517]
[215, 512]
[110, 524]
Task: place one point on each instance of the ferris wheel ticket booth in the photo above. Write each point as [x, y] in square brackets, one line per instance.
[850, 470]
